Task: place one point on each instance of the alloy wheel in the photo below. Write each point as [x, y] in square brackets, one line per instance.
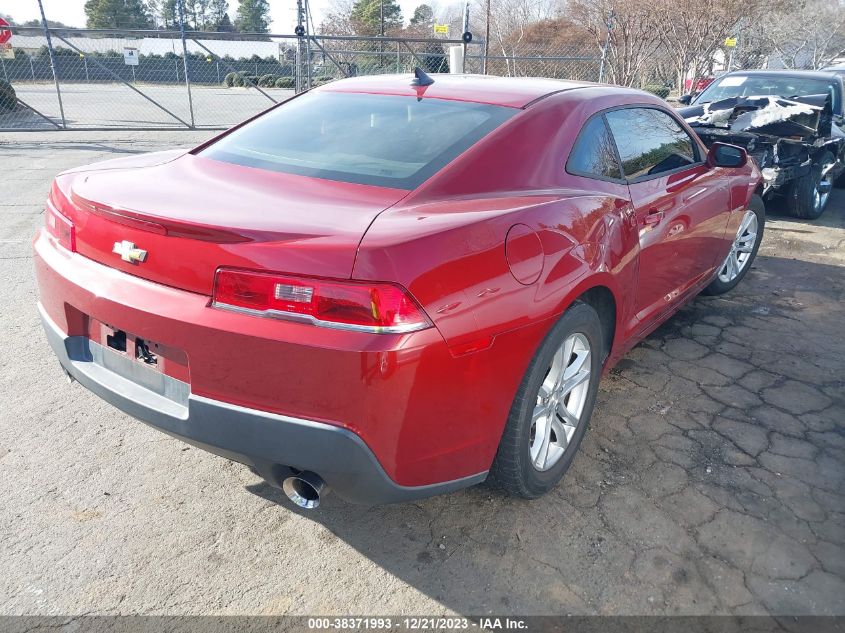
[741, 248]
[822, 191]
[560, 402]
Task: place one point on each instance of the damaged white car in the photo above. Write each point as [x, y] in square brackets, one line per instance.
[791, 122]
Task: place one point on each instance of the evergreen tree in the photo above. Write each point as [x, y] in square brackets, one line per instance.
[216, 13]
[423, 16]
[164, 13]
[112, 14]
[366, 16]
[225, 24]
[53, 24]
[253, 16]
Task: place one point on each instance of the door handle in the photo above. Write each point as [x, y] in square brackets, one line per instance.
[653, 217]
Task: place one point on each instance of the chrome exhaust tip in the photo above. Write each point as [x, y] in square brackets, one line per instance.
[305, 489]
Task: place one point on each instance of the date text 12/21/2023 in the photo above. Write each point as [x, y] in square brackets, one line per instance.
[422, 623]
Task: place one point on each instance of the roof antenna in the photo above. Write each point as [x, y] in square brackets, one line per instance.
[420, 78]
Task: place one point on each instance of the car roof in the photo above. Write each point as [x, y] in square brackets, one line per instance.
[809, 74]
[514, 92]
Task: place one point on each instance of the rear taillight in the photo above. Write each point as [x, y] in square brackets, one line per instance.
[56, 219]
[363, 306]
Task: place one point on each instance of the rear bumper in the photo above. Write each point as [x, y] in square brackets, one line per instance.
[271, 443]
[427, 416]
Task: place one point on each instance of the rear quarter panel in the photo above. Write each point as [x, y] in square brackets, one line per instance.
[446, 240]
[452, 258]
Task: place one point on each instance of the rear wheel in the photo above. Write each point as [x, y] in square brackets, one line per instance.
[553, 405]
[743, 249]
[807, 196]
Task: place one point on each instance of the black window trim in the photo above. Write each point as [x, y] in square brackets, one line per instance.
[651, 106]
[590, 175]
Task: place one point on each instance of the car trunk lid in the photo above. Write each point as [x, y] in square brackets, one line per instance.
[193, 215]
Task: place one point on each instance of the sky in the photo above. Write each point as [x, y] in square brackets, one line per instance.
[70, 12]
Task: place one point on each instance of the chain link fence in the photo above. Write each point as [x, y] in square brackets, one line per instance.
[121, 79]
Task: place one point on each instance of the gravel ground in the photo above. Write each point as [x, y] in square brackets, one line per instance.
[711, 481]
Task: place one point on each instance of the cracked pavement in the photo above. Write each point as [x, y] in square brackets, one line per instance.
[710, 481]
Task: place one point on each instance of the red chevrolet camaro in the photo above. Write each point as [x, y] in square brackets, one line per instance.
[392, 288]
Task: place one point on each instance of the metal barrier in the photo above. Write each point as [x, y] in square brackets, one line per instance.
[140, 79]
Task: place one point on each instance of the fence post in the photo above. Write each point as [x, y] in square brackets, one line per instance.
[298, 72]
[52, 63]
[180, 5]
[5, 74]
[456, 59]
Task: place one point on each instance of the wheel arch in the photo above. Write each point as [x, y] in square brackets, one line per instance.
[602, 300]
[598, 291]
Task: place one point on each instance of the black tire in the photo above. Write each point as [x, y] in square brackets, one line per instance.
[801, 192]
[719, 287]
[512, 468]
[839, 183]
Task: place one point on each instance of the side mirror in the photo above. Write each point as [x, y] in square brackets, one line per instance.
[685, 99]
[724, 155]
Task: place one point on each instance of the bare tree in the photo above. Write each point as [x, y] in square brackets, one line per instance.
[552, 48]
[693, 32]
[338, 19]
[509, 21]
[805, 33]
[632, 40]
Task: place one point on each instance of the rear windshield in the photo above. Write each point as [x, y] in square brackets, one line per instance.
[389, 141]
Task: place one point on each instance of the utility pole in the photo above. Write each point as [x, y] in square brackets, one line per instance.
[381, 34]
[464, 32]
[52, 63]
[303, 53]
[486, 40]
[308, 26]
[181, 9]
[300, 32]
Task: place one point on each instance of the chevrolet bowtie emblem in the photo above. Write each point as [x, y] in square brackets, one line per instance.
[128, 252]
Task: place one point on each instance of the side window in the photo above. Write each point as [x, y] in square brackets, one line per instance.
[593, 154]
[650, 142]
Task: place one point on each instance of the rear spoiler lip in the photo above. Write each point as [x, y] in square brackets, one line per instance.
[170, 228]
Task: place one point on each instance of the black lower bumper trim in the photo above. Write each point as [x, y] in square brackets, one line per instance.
[271, 443]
